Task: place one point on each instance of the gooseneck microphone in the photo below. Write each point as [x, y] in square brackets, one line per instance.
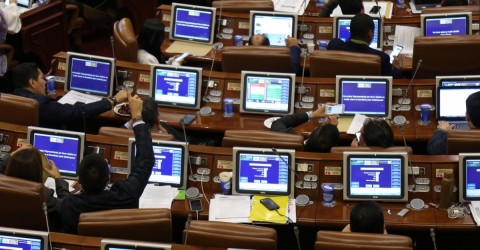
[112, 44]
[189, 220]
[288, 165]
[297, 236]
[419, 63]
[45, 211]
[432, 235]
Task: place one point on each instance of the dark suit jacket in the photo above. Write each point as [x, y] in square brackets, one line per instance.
[122, 194]
[54, 218]
[437, 145]
[295, 56]
[57, 115]
[287, 123]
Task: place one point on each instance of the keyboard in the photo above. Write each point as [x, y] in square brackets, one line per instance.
[463, 125]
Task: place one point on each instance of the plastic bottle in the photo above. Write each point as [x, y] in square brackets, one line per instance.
[446, 194]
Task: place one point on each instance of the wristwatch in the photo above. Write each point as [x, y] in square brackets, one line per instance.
[113, 99]
[310, 114]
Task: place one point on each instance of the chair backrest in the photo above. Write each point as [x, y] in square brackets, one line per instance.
[329, 63]
[153, 225]
[333, 240]
[22, 204]
[19, 110]
[446, 55]
[452, 9]
[243, 5]
[256, 58]
[340, 150]
[125, 40]
[224, 235]
[463, 141]
[128, 133]
[258, 138]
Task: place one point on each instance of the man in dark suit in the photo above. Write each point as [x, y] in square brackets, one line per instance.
[94, 175]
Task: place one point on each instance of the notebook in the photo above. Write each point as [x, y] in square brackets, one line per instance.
[451, 105]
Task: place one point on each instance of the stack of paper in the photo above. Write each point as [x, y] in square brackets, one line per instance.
[291, 6]
[230, 208]
[74, 96]
[157, 196]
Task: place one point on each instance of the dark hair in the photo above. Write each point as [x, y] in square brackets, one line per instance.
[150, 111]
[473, 108]
[265, 41]
[454, 2]
[151, 36]
[26, 164]
[22, 74]
[360, 25]
[367, 217]
[323, 138]
[377, 133]
[351, 7]
[93, 173]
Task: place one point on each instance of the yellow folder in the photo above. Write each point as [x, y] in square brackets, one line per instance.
[260, 213]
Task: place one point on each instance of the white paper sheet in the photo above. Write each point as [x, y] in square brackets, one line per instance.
[475, 210]
[405, 36]
[50, 183]
[290, 6]
[74, 96]
[157, 196]
[357, 124]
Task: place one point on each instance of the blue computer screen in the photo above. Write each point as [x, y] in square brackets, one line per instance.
[446, 26]
[176, 86]
[343, 31]
[193, 23]
[90, 75]
[267, 93]
[472, 178]
[18, 242]
[367, 97]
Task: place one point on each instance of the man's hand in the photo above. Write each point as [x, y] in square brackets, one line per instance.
[444, 125]
[121, 96]
[52, 171]
[290, 41]
[320, 112]
[135, 103]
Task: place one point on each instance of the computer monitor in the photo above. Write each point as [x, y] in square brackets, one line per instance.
[446, 24]
[263, 171]
[341, 30]
[366, 95]
[111, 244]
[65, 148]
[12, 238]
[170, 162]
[176, 86]
[469, 176]
[276, 26]
[451, 102]
[90, 74]
[192, 23]
[379, 176]
[458, 81]
[267, 93]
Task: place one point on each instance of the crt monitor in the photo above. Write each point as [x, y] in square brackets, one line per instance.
[65, 148]
[176, 86]
[446, 24]
[263, 171]
[112, 244]
[379, 176]
[469, 177]
[267, 93]
[341, 30]
[276, 26]
[90, 74]
[12, 238]
[192, 23]
[170, 162]
[366, 95]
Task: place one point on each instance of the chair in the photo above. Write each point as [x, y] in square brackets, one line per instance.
[128, 133]
[243, 5]
[256, 58]
[125, 40]
[463, 141]
[19, 110]
[340, 150]
[329, 63]
[225, 235]
[22, 204]
[258, 138]
[333, 240]
[447, 55]
[153, 225]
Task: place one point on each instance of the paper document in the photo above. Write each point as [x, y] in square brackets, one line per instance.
[214, 208]
[229, 206]
[405, 36]
[291, 6]
[50, 183]
[157, 196]
[475, 210]
[385, 9]
[74, 96]
[356, 124]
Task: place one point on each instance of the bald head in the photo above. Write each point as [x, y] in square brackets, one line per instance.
[259, 39]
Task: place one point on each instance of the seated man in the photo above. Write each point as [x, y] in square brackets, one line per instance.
[366, 217]
[361, 34]
[437, 145]
[94, 175]
[29, 82]
[292, 43]
[322, 139]
[374, 133]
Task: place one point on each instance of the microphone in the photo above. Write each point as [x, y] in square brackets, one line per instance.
[297, 236]
[45, 211]
[432, 235]
[216, 47]
[112, 44]
[301, 89]
[189, 220]
[419, 63]
[274, 150]
[400, 121]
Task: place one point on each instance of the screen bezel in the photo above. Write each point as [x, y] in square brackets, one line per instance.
[153, 83]
[175, 6]
[111, 61]
[336, 19]
[80, 136]
[440, 79]
[266, 151]
[243, 90]
[180, 145]
[346, 176]
[425, 17]
[254, 14]
[462, 187]
[107, 244]
[14, 232]
[389, 84]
